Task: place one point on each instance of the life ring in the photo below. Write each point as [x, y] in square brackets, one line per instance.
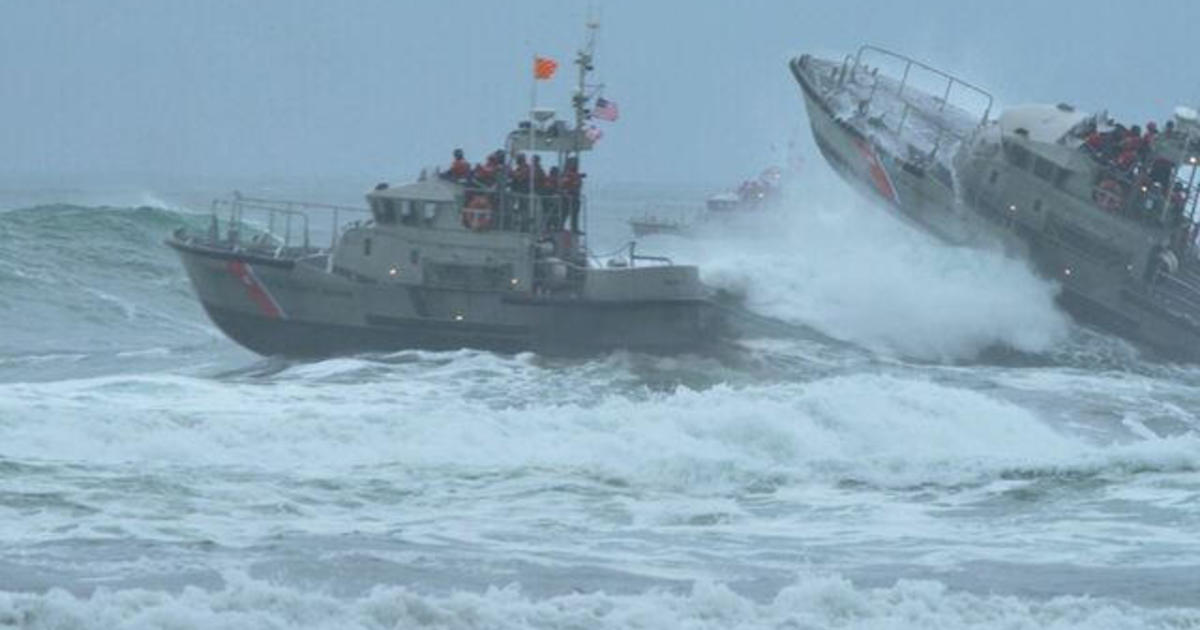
[477, 214]
[1108, 194]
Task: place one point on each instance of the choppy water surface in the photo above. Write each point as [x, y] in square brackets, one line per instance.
[931, 444]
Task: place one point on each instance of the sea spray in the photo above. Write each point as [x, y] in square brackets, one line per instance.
[848, 268]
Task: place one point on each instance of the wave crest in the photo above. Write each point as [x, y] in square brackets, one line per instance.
[818, 601]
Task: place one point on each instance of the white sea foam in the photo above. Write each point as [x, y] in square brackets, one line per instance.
[817, 601]
[833, 261]
[132, 198]
[473, 447]
[485, 411]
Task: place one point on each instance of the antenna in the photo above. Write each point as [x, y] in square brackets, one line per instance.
[584, 59]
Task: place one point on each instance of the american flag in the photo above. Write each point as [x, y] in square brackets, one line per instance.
[605, 110]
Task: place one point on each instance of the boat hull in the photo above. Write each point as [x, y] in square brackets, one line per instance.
[1091, 293]
[295, 308]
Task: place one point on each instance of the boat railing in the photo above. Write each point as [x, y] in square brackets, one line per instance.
[909, 62]
[853, 64]
[1178, 294]
[1139, 201]
[626, 256]
[535, 213]
[273, 225]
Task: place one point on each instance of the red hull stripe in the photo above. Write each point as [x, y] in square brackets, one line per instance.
[879, 176]
[255, 290]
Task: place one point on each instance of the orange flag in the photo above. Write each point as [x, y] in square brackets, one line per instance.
[544, 67]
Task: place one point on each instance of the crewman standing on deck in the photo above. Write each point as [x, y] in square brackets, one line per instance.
[460, 168]
[518, 175]
[539, 173]
[485, 173]
[571, 184]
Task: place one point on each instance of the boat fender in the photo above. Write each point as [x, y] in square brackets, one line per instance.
[477, 214]
[1167, 261]
[556, 272]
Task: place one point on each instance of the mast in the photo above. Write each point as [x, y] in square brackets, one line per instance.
[532, 107]
[583, 59]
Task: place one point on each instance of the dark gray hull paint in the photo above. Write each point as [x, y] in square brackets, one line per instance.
[1093, 295]
[320, 314]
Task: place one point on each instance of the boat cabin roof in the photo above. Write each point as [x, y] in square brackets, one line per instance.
[556, 137]
[1040, 123]
[430, 189]
[1047, 131]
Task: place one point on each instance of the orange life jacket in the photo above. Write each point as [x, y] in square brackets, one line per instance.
[571, 182]
[460, 168]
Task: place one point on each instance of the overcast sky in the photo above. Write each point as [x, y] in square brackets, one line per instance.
[375, 90]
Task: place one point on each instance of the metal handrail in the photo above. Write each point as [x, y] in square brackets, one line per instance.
[307, 205]
[272, 206]
[292, 214]
[237, 208]
[634, 256]
[529, 213]
[1127, 205]
[951, 80]
[1184, 293]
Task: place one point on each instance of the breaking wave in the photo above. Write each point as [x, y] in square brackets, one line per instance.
[77, 279]
[819, 601]
[836, 263]
[592, 420]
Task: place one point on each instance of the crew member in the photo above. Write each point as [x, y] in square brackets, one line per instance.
[550, 184]
[1151, 133]
[1133, 140]
[571, 184]
[1094, 143]
[460, 168]
[553, 203]
[539, 173]
[485, 173]
[1130, 147]
[1112, 142]
[518, 175]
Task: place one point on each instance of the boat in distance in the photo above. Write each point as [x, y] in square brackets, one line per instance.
[753, 195]
[490, 258]
[1106, 211]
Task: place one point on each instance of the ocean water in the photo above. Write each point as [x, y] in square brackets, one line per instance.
[920, 440]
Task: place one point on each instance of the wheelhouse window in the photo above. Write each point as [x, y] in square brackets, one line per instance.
[384, 211]
[1018, 156]
[1045, 169]
[1061, 177]
[408, 212]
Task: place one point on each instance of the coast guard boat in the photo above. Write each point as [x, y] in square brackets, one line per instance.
[445, 262]
[1107, 212]
[751, 196]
